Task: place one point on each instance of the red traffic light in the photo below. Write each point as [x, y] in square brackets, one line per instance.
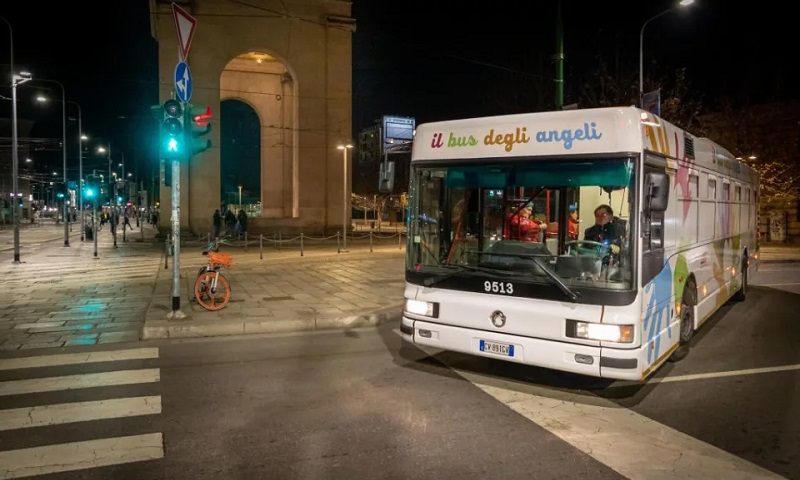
[173, 108]
[203, 118]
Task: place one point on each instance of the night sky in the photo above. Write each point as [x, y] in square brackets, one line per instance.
[441, 60]
[431, 60]
[103, 54]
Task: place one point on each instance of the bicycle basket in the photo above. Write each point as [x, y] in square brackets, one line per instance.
[220, 258]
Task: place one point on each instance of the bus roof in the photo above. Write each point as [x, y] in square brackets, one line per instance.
[593, 131]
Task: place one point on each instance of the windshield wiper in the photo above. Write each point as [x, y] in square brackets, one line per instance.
[556, 280]
[456, 270]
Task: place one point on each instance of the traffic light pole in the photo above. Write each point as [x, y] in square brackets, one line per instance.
[176, 240]
[94, 221]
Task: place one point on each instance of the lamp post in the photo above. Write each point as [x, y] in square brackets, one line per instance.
[81, 137]
[63, 149]
[16, 79]
[344, 148]
[112, 192]
[682, 3]
[240, 196]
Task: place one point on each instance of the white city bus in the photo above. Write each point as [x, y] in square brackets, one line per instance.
[492, 271]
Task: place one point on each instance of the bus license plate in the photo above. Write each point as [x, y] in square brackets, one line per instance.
[497, 348]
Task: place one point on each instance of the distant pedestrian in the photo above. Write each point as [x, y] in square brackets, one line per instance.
[127, 221]
[241, 223]
[230, 221]
[217, 222]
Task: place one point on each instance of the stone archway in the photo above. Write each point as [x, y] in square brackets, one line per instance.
[240, 156]
[265, 84]
[301, 91]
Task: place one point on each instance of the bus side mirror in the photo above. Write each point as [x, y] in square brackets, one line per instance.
[657, 188]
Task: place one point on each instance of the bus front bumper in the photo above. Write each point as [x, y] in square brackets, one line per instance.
[563, 356]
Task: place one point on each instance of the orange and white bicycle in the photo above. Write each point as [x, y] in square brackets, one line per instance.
[211, 289]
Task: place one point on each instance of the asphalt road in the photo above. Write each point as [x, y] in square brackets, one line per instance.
[355, 404]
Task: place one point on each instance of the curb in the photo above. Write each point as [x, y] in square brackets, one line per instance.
[167, 329]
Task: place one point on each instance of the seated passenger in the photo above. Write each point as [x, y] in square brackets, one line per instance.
[552, 229]
[523, 227]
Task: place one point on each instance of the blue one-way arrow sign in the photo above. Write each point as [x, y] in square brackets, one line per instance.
[183, 82]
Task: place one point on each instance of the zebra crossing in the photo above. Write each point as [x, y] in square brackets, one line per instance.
[75, 411]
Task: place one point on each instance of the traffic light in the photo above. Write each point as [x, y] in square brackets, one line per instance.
[91, 189]
[198, 121]
[172, 130]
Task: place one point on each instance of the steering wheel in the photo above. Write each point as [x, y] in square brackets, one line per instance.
[594, 247]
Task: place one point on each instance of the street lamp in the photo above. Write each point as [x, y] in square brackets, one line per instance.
[81, 137]
[102, 149]
[64, 150]
[682, 3]
[344, 148]
[16, 79]
[240, 196]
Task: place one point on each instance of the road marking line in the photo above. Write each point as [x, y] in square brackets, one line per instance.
[70, 382]
[728, 373]
[776, 284]
[58, 414]
[78, 358]
[67, 457]
[631, 444]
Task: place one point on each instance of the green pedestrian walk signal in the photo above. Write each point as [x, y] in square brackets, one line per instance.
[198, 125]
[172, 130]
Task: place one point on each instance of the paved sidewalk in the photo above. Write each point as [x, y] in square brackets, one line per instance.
[780, 252]
[60, 296]
[284, 291]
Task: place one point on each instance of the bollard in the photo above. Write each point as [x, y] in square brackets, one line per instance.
[301, 244]
[399, 240]
[246, 248]
[166, 253]
[370, 241]
[261, 246]
[338, 247]
[279, 241]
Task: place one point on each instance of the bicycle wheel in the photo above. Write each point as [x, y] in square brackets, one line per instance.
[205, 297]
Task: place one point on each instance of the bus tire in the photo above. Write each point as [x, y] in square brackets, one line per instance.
[686, 329]
[741, 294]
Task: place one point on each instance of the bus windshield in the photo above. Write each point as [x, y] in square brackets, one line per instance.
[540, 223]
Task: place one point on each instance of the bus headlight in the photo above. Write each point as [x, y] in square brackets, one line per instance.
[425, 309]
[605, 332]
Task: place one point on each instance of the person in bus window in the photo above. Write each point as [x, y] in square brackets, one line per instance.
[573, 222]
[523, 227]
[607, 229]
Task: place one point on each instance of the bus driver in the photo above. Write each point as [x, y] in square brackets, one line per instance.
[606, 229]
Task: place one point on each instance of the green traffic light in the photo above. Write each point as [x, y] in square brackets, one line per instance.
[89, 192]
[172, 145]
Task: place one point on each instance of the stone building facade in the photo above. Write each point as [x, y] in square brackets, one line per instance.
[290, 63]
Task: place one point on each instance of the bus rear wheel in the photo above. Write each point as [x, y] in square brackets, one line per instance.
[741, 294]
[687, 323]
